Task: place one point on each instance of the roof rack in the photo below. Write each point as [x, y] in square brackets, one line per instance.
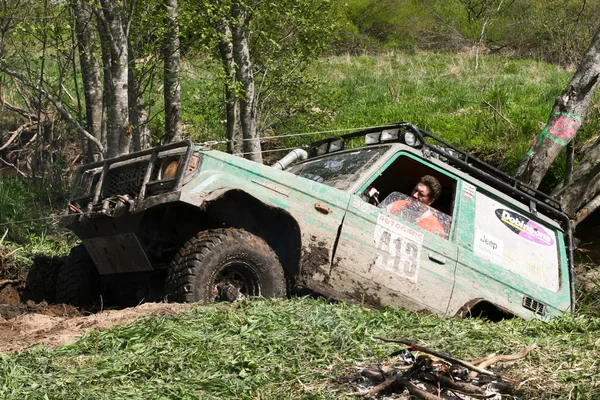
[434, 147]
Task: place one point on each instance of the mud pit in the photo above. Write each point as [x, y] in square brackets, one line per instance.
[28, 316]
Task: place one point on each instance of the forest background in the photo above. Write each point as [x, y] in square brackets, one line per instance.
[83, 80]
[482, 74]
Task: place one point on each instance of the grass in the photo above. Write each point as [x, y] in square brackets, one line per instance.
[296, 349]
[291, 349]
[494, 111]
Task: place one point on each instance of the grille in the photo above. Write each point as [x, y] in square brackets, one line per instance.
[534, 305]
[126, 180]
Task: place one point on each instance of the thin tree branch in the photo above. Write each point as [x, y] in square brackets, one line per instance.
[63, 111]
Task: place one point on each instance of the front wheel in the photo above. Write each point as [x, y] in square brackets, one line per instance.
[224, 265]
[78, 281]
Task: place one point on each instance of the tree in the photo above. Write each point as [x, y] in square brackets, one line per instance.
[90, 75]
[580, 194]
[115, 30]
[171, 57]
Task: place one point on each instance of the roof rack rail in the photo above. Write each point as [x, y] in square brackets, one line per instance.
[437, 148]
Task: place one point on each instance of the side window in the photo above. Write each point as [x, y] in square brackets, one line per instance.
[408, 188]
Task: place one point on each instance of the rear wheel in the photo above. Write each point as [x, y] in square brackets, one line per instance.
[224, 265]
[78, 280]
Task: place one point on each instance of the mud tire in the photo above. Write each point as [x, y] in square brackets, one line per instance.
[224, 265]
[78, 280]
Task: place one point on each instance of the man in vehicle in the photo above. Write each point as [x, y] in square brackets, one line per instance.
[426, 191]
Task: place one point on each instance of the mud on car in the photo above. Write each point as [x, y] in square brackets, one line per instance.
[188, 223]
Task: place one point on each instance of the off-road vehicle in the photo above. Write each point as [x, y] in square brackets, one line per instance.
[196, 224]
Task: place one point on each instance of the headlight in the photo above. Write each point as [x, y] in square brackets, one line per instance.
[169, 169]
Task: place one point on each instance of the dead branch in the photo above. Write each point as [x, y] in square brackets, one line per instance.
[480, 360]
[16, 133]
[415, 347]
[463, 387]
[415, 391]
[496, 111]
[508, 357]
[14, 166]
[22, 112]
[57, 104]
[376, 389]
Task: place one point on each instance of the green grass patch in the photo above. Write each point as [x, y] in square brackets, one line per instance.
[290, 349]
[494, 111]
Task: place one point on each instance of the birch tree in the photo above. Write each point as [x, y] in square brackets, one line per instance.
[580, 196]
[111, 23]
[172, 59]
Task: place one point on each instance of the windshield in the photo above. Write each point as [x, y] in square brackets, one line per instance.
[339, 170]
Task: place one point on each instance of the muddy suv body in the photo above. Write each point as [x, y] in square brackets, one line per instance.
[211, 226]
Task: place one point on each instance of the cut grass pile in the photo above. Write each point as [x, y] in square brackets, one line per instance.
[291, 349]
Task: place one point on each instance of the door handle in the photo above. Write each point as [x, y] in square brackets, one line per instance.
[438, 259]
[322, 209]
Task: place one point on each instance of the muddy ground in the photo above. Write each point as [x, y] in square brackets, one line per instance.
[29, 316]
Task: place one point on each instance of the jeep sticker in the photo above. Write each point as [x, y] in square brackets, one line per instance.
[524, 227]
[488, 246]
[399, 246]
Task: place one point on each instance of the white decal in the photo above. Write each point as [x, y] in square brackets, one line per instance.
[469, 190]
[489, 247]
[400, 248]
[509, 238]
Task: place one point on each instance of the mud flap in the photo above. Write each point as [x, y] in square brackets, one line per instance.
[117, 254]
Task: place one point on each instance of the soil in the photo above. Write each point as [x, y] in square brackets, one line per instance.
[29, 316]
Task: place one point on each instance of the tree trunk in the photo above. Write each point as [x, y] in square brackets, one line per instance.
[90, 75]
[118, 130]
[566, 118]
[234, 132]
[138, 114]
[244, 75]
[172, 93]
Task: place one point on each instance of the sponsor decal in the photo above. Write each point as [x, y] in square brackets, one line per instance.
[489, 246]
[524, 227]
[399, 248]
[469, 190]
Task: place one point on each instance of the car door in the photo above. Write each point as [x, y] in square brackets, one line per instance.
[382, 259]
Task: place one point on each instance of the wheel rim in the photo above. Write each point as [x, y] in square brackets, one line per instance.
[235, 281]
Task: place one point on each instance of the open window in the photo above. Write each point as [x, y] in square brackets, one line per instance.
[396, 183]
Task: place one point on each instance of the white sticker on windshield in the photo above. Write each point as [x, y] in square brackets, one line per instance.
[400, 248]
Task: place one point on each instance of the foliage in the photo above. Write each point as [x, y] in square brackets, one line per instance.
[556, 30]
[290, 349]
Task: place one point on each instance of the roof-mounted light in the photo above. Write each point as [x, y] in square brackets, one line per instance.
[322, 149]
[372, 138]
[410, 138]
[336, 145]
[389, 134]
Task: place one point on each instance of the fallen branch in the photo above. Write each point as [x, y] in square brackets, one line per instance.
[62, 110]
[507, 357]
[16, 133]
[415, 391]
[415, 347]
[375, 389]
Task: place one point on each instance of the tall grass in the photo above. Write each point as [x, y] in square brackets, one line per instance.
[291, 349]
[493, 111]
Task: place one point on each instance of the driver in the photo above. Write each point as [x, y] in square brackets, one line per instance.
[426, 191]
